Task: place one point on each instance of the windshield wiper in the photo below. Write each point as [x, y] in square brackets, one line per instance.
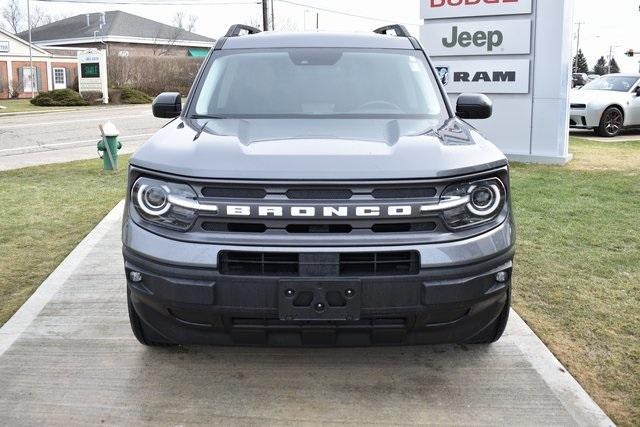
[197, 135]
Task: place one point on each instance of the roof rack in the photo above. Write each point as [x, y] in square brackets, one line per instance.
[235, 30]
[397, 29]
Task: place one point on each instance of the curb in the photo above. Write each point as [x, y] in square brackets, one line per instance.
[19, 322]
[564, 386]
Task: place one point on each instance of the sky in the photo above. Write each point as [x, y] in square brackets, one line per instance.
[605, 23]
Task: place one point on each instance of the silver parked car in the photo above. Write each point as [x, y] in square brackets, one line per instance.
[607, 105]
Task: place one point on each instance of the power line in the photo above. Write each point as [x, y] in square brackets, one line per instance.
[340, 12]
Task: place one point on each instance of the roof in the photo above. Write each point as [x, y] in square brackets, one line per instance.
[118, 26]
[317, 39]
[20, 40]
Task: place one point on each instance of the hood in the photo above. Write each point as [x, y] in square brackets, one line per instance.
[582, 96]
[241, 149]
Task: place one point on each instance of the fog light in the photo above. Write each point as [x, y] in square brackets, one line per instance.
[135, 276]
[502, 277]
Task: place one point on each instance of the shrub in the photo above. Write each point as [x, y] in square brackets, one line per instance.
[59, 98]
[115, 96]
[92, 97]
[133, 96]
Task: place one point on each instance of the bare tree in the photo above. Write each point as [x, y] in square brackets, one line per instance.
[162, 46]
[186, 23]
[13, 16]
[40, 17]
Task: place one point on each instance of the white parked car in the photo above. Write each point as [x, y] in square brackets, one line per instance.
[607, 104]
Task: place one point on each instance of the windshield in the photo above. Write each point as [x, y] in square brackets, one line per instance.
[320, 83]
[615, 83]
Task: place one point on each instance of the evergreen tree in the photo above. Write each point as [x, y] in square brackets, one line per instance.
[613, 65]
[601, 67]
[580, 63]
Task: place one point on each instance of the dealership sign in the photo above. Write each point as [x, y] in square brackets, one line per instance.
[459, 38]
[436, 9]
[485, 76]
[92, 76]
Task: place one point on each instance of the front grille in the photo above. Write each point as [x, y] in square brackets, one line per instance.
[320, 195]
[326, 228]
[404, 193]
[234, 192]
[240, 263]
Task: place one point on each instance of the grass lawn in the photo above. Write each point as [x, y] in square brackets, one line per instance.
[45, 211]
[577, 269]
[19, 105]
[577, 274]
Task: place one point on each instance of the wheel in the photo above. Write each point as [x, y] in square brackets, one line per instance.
[611, 122]
[494, 331]
[138, 327]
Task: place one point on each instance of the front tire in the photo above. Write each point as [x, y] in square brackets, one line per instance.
[138, 328]
[494, 331]
[611, 122]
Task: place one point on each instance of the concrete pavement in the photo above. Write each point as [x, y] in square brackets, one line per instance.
[68, 358]
[33, 139]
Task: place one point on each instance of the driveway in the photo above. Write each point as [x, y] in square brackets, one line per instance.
[68, 358]
[33, 139]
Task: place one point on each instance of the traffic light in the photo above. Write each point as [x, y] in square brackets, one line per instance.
[630, 53]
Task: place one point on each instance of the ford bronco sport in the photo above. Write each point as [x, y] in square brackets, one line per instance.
[318, 189]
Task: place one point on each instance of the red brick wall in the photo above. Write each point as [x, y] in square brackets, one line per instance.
[42, 66]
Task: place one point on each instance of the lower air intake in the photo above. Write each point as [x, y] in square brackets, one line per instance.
[237, 263]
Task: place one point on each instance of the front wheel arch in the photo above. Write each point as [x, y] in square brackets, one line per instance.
[607, 129]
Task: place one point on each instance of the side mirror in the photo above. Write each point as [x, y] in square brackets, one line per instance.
[167, 105]
[474, 106]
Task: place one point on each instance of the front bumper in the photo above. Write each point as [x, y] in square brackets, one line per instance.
[585, 118]
[184, 299]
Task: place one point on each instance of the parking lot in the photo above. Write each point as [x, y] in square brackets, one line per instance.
[32, 139]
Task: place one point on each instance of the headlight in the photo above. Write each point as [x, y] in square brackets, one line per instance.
[484, 202]
[168, 204]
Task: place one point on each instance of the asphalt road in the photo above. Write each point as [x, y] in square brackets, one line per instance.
[32, 139]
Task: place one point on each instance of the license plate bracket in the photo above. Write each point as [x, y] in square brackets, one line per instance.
[319, 299]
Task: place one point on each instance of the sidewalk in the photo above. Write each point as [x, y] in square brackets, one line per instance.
[68, 357]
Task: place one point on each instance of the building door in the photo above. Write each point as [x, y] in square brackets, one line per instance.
[59, 78]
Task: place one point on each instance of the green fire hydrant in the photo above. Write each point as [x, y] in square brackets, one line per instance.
[109, 145]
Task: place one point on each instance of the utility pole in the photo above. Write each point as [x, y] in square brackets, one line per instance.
[273, 18]
[575, 63]
[31, 70]
[265, 15]
[611, 48]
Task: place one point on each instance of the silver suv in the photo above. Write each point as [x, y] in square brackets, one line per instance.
[318, 189]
